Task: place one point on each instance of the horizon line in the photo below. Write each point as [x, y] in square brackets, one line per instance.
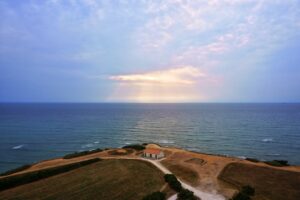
[132, 102]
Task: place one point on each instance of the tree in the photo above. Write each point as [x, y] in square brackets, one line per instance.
[173, 182]
[185, 194]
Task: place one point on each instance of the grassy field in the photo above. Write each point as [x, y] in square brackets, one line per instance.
[105, 180]
[269, 183]
[182, 172]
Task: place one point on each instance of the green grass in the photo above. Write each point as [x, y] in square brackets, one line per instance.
[114, 179]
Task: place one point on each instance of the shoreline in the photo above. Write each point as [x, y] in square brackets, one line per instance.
[240, 158]
[202, 172]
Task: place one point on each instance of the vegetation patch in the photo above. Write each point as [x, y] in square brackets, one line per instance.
[183, 194]
[252, 160]
[278, 163]
[245, 193]
[269, 183]
[20, 179]
[155, 196]
[173, 182]
[186, 194]
[183, 172]
[137, 147]
[115, 179]
[81, 153]
[18, 169]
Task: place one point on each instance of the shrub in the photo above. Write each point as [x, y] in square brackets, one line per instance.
[248, 190]
[173, 182]
[81, 153]
[185, 194]
[137, 147]
[155, 196]
[20, 179]
[278, 163]
[282, 162]
[18, 169]
[245, 193]
[252, 159]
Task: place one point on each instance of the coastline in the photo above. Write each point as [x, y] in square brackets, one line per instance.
[164, 147]
[199, 170]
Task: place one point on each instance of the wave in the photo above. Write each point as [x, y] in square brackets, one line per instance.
[18, 147]
[267, 140]
[96, 142]
[87, 146]
[166, 142]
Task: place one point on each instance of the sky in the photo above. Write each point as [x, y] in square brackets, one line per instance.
[150, 51]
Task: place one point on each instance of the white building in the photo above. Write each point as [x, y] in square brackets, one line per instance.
[153, 153]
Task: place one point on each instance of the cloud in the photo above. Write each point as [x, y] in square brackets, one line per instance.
[177, 84]
[178, 75]
[229, 39]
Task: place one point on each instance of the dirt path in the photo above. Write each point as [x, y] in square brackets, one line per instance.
[201, 194]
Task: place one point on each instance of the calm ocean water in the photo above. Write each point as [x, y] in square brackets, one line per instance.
[33, 132]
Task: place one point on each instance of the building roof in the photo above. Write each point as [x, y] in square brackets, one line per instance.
[152, 151]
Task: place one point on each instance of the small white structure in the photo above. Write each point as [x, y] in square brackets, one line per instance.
[153, 153]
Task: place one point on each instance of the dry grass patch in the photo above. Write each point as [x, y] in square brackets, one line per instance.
[185, 173]
[196, 161]
[269, 183]
[120, 152]
[106, 180]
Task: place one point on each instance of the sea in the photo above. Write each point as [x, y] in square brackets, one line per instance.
[31, 132]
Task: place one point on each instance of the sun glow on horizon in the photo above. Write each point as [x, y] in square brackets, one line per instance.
[177, 84]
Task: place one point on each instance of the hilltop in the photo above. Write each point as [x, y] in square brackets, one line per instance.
[123, 174]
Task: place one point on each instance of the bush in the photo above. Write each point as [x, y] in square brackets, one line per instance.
[81, 153]
[245, 193]
[185, 194]
[155, 196]
[248, 190]
[18, 169]
[20, 179]
[173, 182]
[252, 159]
[137, 147]
[282, 162]
[278, 163]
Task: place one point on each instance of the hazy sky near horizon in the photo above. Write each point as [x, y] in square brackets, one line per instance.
[150, 51]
